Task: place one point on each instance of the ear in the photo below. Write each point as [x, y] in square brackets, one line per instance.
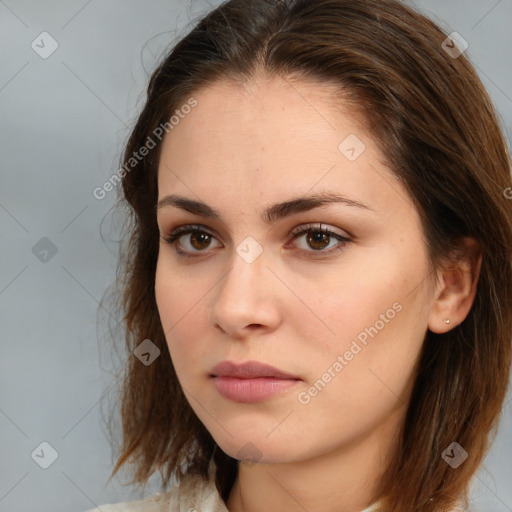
[456, 288]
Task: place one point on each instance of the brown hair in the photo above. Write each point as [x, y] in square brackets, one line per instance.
[438, 129]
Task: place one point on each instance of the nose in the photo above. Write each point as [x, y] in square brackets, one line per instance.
[245, 298]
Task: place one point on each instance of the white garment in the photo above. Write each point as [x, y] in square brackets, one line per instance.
[194, 494]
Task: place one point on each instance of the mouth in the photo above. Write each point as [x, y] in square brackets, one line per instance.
[250, 370]
[250, 382]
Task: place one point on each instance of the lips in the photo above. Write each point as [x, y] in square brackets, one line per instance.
[249, 370]
[251, 382]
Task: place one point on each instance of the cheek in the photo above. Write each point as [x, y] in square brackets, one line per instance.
[164, 296]
[366, 370]
[344, 303]
[175, 297]
[377, 315]
[182, 314]
[170, 310]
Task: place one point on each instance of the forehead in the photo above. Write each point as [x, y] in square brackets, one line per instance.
[270, 136]
[285, 117]
[274, 102]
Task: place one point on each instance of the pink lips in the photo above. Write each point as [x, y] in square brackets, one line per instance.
[251, 381]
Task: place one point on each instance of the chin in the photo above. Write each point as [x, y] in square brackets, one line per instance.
[257, 450]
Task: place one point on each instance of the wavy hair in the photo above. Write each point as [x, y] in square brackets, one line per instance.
[436, 125]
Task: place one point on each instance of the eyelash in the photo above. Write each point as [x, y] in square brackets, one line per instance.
[309, 228]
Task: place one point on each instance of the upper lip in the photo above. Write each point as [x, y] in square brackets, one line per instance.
[249, 370]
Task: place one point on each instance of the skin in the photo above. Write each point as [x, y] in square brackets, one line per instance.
[241, 149]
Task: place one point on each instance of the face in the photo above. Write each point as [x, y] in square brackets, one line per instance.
[341, 308]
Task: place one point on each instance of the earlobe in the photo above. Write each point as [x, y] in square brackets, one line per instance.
[456, 289]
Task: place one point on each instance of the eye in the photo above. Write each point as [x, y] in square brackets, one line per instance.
[200, 239]
[319, 238]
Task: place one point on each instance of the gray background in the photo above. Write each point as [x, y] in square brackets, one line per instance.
[63, 123]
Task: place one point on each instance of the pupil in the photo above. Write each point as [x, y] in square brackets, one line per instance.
[318, 237]
[195, 236]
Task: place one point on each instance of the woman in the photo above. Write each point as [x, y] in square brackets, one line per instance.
[318, 262]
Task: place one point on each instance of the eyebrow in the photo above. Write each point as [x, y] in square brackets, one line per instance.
[272, 214]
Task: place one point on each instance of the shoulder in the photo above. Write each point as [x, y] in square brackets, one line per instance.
[192, 494]
[154, 503]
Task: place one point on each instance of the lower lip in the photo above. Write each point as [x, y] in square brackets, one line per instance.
[251, 390]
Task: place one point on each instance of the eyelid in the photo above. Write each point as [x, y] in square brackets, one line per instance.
[319, 226]
[343, 239]
[186, 228]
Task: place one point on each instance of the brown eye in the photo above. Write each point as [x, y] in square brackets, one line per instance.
[318, 240]
[199, 240]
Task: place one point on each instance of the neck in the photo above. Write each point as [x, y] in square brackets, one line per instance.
[343, 480]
